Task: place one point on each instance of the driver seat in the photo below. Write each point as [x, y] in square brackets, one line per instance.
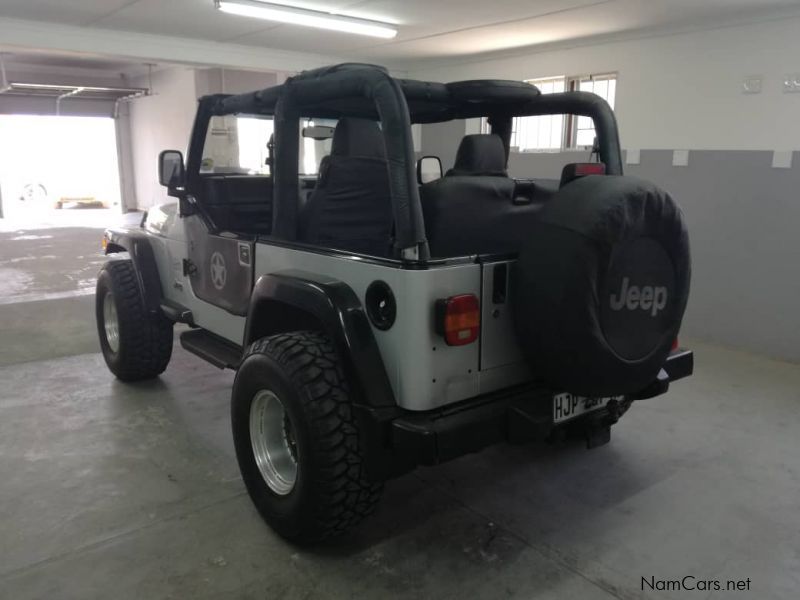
[351, 208]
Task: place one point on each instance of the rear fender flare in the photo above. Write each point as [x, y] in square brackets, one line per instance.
[290, 300]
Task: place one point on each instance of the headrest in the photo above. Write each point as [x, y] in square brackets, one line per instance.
[358, 138]
[480, 154]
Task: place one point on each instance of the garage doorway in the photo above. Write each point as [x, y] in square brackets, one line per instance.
[58, 169]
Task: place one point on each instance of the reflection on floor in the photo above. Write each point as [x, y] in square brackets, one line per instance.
[54, 254]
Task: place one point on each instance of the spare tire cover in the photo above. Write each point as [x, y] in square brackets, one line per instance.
[601, 285]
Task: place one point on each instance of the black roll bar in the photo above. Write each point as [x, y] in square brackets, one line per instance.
[376, 85]
[584, 104]
[368, 91]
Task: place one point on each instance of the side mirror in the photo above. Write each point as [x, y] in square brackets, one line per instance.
[171, 172]
[429, 168]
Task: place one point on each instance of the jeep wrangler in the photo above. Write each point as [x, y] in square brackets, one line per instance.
[379, 314]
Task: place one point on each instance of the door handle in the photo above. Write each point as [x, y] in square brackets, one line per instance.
[500, 283]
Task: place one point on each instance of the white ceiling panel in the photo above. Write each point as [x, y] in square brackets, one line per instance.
[302, 39]
[69, 12]
[183, 18]
[571, 23]
[68, 61]
[427, 28]
[451, 15]
[586, 21]
[421, 22]
[197, 19]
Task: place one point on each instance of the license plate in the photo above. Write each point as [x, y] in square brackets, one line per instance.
[568, 406]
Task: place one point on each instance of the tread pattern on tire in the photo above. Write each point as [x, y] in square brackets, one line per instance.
[145, 339]
[312, 363]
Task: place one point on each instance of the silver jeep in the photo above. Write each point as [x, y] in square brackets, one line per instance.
[381, 314]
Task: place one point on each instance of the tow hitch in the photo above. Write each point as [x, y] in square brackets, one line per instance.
[597, 434]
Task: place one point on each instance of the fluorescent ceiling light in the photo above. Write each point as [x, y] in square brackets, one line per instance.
[309, 18]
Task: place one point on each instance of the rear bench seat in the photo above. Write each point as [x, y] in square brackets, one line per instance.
[476, 208]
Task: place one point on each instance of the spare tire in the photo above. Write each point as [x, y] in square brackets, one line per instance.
[601, 285]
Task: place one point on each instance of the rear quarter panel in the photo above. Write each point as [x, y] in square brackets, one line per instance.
[424, 372]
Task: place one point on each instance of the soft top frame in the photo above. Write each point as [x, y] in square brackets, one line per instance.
[368, 91]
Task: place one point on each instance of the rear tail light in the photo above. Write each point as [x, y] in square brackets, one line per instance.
[458, 319]
[574, 171]
[583, 169]
[675, 344]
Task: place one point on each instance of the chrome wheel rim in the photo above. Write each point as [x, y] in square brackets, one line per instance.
[111, 323]
[272, 441]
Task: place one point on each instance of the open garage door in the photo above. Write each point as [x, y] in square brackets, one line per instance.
[56, 163]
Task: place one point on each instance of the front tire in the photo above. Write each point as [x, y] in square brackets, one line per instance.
[136, 344]
[296, 438]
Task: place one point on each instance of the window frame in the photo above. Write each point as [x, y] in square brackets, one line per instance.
[569, 128]
[554, 79]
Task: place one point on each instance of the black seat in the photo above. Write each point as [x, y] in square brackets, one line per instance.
[463, 210]
[350, 208]
[239, 203]
[480, 154]
[476, 208]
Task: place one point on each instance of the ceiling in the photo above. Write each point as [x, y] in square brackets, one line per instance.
[66, 60]
[428, 29]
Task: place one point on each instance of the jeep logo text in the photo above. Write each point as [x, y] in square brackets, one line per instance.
[645, 298]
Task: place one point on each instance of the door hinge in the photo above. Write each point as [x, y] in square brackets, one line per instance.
[189, 267]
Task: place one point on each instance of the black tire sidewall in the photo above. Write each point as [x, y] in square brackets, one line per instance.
[145, 339]
[105, 285]
[261, 372]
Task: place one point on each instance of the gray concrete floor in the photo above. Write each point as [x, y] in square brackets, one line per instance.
[123, 491]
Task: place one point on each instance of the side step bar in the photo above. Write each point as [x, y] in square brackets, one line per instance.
[218, 351]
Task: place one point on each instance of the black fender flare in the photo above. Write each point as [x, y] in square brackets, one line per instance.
[287, 300]
[140, 249]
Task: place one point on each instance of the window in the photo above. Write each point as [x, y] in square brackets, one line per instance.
[581, 129]
[540, 133]
[237, 144]
[558, 132]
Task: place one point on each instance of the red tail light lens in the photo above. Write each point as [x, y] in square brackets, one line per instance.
[573, 171]
[458, 319]
[583, 169]
[675, 344]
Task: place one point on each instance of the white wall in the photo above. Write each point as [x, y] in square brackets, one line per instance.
[233, 81]
[127, 174]
[164, 120]
[159, 122]
[684, 92]
[681, 91]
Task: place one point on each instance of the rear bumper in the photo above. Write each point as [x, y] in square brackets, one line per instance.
[679, 364]
[397, 441]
